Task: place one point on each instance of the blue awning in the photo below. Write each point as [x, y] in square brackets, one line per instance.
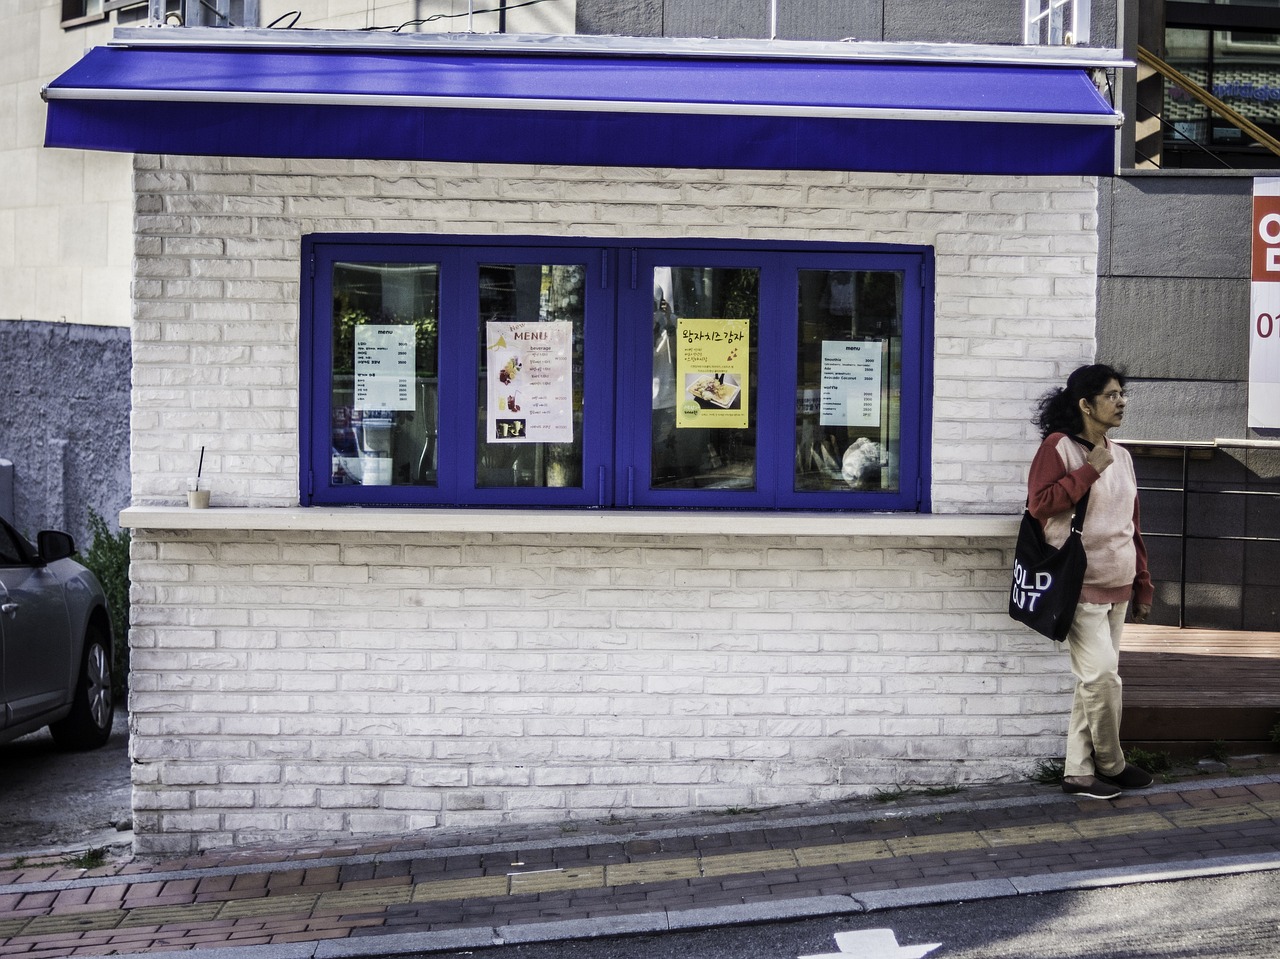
[583, 104]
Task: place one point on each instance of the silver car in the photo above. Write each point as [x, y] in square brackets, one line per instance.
[55, 643]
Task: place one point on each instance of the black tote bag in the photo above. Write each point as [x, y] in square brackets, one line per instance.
[1047, 581]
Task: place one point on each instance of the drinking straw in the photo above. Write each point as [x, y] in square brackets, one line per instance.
[199, 467]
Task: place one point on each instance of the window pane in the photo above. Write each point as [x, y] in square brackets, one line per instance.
[849, 380]
[705, 336]
[1243, 75]
[385, 374]
[531, 403]
[1187, 118]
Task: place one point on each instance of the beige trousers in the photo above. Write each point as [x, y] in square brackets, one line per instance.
[1093, 737]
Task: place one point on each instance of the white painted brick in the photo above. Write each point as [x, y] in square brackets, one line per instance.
[675, 636]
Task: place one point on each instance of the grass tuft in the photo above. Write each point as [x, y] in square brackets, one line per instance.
[89, 859]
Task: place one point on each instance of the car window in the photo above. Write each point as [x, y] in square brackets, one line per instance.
[11, 551]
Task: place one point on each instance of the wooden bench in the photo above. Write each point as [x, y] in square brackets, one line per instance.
[1185, 689]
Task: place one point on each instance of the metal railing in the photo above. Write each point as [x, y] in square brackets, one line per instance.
[1198, 449]
[1207, 99]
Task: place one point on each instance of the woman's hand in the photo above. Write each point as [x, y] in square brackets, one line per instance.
[1140, 612]
[1100, 458]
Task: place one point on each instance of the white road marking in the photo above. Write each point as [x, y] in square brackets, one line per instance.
[874, 944]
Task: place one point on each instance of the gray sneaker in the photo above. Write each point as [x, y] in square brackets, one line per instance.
[1091, 787]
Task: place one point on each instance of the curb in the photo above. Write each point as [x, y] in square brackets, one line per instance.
[735, 915]
[1049, 797]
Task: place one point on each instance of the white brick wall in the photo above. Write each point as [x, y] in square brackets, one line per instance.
[217, 276]
[271, 697]
[317, 684]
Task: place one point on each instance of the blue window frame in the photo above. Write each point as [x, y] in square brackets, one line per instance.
[536, 372]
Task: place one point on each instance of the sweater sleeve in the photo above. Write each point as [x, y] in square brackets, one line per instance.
[1143, 591]
[1050, 488]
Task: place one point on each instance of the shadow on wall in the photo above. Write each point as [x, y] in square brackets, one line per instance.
[64, 424]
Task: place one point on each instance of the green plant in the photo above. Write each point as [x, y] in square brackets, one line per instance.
[89, 859]
[347, 317]
[1219, 752]
[1275, 732]
[108, 559]
[1049, 772]
[1152, 762]
[889, 795]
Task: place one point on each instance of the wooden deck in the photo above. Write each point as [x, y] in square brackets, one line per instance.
[1186, 688]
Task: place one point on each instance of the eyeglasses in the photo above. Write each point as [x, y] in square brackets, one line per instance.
[1115, 395]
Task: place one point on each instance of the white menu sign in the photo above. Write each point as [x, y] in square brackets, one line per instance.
[385, 363]
[850, 383]
[530, 375]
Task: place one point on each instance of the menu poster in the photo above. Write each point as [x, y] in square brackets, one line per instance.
[713, 358]
[851, 383]
[385, 366]
[529, 370]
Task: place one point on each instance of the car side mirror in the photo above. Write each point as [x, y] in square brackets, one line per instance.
[53, 545]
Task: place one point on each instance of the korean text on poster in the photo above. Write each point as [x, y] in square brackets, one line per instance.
[713, 359]
[384, 367]
[529, 372]
[851, 383]
[1264, 313]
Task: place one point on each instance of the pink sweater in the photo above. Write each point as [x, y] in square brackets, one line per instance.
[1060, 475]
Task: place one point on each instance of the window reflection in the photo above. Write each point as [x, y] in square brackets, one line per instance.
[849, 380]
[1239, 66]
[705, 335]
[384, 389]
[533, 386]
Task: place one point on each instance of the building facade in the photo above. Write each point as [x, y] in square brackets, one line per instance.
[325, 671]
[322, 654]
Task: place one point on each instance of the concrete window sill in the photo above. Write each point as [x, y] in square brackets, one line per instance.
[613, 522]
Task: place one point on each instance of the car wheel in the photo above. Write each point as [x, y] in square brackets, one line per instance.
[88, 725]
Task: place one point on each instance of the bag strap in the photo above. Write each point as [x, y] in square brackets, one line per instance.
[1082, 505]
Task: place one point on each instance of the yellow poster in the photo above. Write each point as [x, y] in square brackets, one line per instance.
[713, 358]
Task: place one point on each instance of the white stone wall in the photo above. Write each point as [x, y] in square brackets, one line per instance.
[317, 684]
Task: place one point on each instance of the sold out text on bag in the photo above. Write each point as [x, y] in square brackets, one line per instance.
[1028, 587]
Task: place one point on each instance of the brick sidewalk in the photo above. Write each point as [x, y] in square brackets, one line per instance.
[629, 876]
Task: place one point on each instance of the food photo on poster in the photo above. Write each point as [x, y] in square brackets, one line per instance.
[713, 364]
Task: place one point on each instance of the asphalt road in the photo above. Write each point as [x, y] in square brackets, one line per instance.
[1232, 917]
[53, 801]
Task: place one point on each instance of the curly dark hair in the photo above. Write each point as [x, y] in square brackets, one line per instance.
[1058, 411]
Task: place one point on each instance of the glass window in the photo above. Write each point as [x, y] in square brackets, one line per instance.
[75, 12]
[11, 553]
[1188, 51]
[384, 393]
[461, 371]
[705, 347]
[1231, 50]
[530, 424]
[848, 380]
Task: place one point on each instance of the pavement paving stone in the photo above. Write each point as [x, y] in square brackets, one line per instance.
[997, 840]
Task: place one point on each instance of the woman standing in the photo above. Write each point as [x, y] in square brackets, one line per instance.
[1076, 458]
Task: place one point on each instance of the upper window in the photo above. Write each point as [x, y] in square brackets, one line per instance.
[1232, 50]
[76, 12]
[453, 371]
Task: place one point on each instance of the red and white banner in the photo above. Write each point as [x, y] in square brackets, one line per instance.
[1264, 320]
